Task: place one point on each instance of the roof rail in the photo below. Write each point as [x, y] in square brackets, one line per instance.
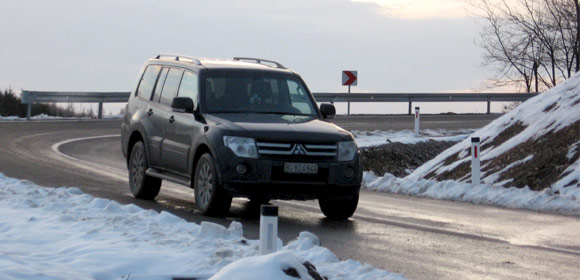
[179, 57]
[260, 60]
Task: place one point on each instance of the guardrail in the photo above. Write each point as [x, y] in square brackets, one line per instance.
[423, 97]
[30, 97]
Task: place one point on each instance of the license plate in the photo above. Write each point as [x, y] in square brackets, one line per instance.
[300, 168]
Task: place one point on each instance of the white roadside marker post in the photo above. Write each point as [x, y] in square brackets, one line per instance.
[475, 163]
[417, 121]
[268, 229]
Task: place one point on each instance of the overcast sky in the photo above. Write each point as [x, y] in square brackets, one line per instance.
[396, 45]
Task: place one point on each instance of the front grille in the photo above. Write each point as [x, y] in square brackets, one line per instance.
[297, 149]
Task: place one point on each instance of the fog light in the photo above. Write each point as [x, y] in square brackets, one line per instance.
[241, 169]
[349, 172]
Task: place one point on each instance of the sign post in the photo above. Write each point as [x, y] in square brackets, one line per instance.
[349, 78]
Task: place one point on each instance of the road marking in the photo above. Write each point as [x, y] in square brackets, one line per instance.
[88, 165]
[113, 172]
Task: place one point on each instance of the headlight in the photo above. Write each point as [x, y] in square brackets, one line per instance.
[346, 150]
[241, 146]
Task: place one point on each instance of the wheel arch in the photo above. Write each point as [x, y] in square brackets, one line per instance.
[135, 137]
[202, 149]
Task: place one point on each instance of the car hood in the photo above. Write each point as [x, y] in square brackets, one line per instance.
[278, 127]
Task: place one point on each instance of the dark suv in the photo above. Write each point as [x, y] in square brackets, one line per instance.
[245, 127]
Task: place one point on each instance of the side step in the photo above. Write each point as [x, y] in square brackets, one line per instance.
[169, 177]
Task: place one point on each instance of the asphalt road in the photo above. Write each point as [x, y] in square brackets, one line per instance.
[421, 238]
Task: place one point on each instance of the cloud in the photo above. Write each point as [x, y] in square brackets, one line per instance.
[419, 9]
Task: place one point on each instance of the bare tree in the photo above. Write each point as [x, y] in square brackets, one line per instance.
[533, 43]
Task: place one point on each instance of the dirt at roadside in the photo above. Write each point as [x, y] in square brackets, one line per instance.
[400, 159]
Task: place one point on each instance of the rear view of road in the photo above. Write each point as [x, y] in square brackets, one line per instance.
[421, 238]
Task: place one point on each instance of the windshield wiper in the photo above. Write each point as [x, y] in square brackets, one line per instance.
[229, 112]
[282, 113]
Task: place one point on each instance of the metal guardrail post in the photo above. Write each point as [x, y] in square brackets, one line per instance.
[488, 107]
[410, 105]
[100, 116]
[28, 111]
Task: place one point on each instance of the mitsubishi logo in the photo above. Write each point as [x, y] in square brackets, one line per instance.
[298, 149]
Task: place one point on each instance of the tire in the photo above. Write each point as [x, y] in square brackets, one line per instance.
[141, 185]
[338, 208]
[210, 198]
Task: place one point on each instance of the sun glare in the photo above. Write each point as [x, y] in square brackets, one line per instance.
[418, 9]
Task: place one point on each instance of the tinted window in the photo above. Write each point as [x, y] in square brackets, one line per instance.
[148, 81]
[256, 92]
[171, 86]
[160, 83]
[188, 87]
[298, 96]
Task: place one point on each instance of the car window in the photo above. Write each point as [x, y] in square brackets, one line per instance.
[171, 86]
[299, 97]
[148, 81]
[232, 91]
[160, 83]
[188, 87]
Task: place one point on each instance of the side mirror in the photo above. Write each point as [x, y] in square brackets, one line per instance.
[182, 105]
[328, 111]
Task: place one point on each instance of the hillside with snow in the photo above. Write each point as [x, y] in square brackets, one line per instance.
[535, 145]
[529, 159]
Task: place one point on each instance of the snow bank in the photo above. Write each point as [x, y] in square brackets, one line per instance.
[47, 117]
[546, 113]
[559, 200]
[64, 233]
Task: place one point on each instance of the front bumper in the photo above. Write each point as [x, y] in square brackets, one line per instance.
[265, 178]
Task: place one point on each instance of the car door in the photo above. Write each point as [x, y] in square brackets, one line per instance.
[156, 119]
[178, 139]
[162, 110]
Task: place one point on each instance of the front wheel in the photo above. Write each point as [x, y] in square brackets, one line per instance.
[142, 186]
[338, 208]
[210, 198]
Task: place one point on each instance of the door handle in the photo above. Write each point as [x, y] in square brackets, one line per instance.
[171, 119]
[150, 112]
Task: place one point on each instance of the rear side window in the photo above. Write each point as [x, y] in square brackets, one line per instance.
[171, 86]
[148, 81]
[160, 83]
[188, 87]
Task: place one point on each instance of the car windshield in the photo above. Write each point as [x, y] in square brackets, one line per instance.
[259, 92]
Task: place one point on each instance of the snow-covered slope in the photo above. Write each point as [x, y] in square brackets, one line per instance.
[535, 145]
[530, 159]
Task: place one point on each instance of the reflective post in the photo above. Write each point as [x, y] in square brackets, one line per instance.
[417, 121]
[475, 162]
[268, 229]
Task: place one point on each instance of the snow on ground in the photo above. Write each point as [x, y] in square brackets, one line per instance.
[47, 117]
[551, 111]
[377, 137]
[548, 112]
[555, 199]
[63, 233]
